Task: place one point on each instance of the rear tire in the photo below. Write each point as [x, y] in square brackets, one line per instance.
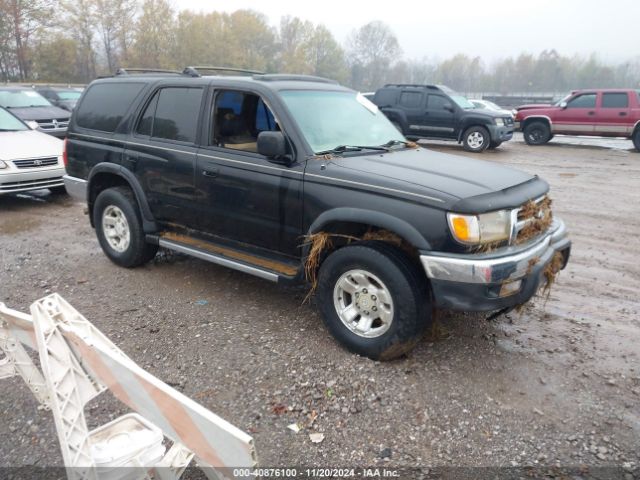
[374, 299]
[537, 133]
[116, 217]
[636, 139]
[476, 139]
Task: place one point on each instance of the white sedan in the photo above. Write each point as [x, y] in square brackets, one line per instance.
[29, 160]
[487, 105]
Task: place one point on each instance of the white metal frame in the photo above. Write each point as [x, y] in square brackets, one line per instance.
[78, 363]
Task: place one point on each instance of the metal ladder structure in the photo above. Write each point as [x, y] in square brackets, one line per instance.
[78, 363]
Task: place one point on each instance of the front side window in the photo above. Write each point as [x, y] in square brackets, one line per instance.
[22, 99]
[69, 95]
[438, 102]
[172, 114]
[588, 100]
[238, 119]
[105, 105]
[615, 100]
[329, 119]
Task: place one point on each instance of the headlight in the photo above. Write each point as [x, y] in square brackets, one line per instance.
[483, 228]
[3, 165]
[500, 122]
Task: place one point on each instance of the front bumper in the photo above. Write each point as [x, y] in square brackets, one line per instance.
[474, 282]
[516, 126]
[501, 133]
[31, 179]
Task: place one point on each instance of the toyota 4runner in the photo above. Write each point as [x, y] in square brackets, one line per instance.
[297, 179]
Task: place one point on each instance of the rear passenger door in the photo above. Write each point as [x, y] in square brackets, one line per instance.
[162, 152]
[245, 197]
[613, 115]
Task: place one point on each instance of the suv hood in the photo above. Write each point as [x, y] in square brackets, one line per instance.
[40, 113]
[451, 178]
[534, 106]
[28, 144]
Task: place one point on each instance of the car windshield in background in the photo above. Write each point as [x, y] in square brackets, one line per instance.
[69, 95]
[9, 123]
[332, 119]
[22, 99]
[462, 101]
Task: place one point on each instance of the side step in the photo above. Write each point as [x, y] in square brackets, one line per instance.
[265, 268]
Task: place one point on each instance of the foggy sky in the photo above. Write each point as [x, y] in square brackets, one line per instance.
[491, 29]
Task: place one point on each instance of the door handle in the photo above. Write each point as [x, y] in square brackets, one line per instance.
[623, 114]
[210, 172]
[591, 113]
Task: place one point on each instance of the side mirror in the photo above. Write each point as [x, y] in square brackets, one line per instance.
[273, 146]
[563, 105]
[448, 107]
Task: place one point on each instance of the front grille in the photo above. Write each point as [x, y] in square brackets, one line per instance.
[36, 162]
[53, 123]
[9, 187]
[533, 219]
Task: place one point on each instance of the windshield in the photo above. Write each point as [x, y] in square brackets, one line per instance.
[71, 95]
[462, 101]
[9, 123]
[22, 98]
[331, 119]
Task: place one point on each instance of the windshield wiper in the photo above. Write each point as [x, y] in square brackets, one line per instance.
[353, 148]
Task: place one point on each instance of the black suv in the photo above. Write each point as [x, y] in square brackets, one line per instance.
[436, 111]
[294, 179]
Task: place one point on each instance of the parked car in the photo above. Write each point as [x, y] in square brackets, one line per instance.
[486, 104]
[606, 113]
[65, 98]
[436, 111]
[294, 178]
[29, 160]
[29, 105]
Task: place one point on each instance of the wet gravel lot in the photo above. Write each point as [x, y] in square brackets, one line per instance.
[556, 384]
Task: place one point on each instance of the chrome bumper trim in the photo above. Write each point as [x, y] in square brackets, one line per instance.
[76, 187]
[494, 267]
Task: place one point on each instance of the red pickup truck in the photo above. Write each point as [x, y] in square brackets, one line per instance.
[605, 113]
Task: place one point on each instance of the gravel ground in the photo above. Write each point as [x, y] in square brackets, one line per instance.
[557, 384]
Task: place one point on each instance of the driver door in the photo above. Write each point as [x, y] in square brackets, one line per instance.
[242, 195]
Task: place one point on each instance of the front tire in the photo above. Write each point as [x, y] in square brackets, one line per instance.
[373, 299]
[537, 133]
[118, 224]
[636, 139]
[476, 139]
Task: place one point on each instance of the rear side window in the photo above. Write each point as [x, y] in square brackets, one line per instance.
[172, 114]
[385, 97]
[105, 104]
[615, 100]
[410, 99]
[588, 100]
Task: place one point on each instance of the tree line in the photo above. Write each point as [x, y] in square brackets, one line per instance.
[74, 41]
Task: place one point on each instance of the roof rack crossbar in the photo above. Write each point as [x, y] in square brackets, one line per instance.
[128, 70]
[195, 70]
[419, 85]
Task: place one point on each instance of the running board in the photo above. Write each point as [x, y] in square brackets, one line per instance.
[226, 257]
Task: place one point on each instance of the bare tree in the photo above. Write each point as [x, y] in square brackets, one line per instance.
[116, 21]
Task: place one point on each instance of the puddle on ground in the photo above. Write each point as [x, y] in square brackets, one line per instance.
[11, 226]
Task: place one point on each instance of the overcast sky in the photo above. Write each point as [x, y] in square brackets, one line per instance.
[491, 28]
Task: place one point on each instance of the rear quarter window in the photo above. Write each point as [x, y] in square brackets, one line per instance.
[105, 104]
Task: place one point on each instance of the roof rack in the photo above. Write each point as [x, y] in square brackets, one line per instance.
[129, 70]
[195, 70]
[284, 77]
[418, 85]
